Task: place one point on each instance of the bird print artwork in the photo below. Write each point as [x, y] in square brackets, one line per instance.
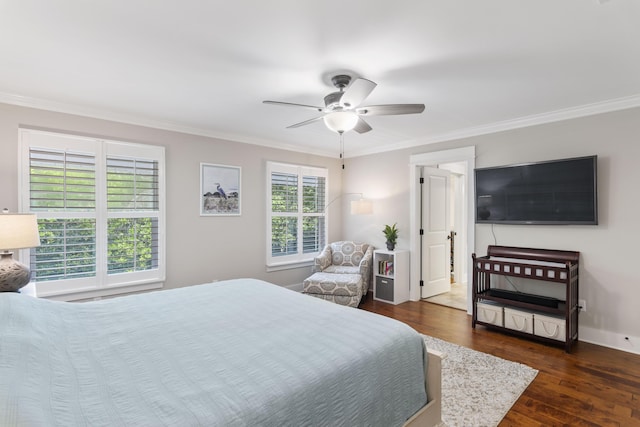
[220, 190]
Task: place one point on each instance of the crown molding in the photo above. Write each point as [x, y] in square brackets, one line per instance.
[130, 119]
[585, 110]
[617, 104]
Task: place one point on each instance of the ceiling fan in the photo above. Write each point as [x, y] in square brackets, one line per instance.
[342, 111]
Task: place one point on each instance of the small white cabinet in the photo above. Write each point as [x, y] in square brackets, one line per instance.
[391, 276]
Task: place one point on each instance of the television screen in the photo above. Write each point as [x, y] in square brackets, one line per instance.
[553, 192]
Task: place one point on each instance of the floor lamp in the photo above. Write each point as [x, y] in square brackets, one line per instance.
[17, 231]
[360, 206]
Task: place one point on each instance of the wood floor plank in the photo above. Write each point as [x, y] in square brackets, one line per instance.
[591, 386]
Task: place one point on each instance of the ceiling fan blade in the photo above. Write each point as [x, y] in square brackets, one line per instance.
[291, 104]
[362, 126]
[306, 122]
[356, 92]
[390, 109]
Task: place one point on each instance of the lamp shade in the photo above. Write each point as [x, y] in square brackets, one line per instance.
[341, 121]
[18, 231]
[361, 207]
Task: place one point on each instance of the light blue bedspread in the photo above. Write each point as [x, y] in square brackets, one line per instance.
[234, 353]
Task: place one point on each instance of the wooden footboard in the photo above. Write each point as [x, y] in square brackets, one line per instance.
[431, 414]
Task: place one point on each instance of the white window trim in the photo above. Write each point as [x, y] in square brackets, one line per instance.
[102, 284]
[300, 259]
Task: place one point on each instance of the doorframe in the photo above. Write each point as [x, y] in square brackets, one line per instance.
[416, 161]
[459, 212]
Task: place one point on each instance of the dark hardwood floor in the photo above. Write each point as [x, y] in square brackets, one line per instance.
[591, 386]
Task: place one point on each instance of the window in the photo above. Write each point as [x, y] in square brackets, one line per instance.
[100, 208]
[296, 222]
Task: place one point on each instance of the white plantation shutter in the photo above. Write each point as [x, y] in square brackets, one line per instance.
[62, 191]
[296, 229]
[133, 205]
[284, 218]
[100, 208]
[132, 184]
[67, 249]
[313, 202]
[61, 180]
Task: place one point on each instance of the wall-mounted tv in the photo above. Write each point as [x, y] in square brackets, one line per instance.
[552, 192]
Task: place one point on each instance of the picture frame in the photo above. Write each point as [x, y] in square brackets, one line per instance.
[220, 190]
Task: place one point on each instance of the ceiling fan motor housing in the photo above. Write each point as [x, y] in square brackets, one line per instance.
[341, 81]
[332, 101]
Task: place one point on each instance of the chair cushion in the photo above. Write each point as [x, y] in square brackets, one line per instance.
[342, 269]
[347, 253]
[333, 284]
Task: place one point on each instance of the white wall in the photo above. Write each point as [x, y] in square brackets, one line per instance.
[609, 275]
[199, 249]
[383, 179]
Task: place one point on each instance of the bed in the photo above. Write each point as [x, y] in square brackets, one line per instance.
[233, 353]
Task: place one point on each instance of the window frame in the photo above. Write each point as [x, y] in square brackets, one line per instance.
[300, 258]
[102, 284]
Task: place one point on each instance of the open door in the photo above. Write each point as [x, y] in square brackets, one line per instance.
[436, 258]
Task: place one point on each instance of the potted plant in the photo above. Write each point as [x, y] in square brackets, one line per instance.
[391, 234]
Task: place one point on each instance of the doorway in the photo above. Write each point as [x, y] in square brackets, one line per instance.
[460, 163]
[455, 295]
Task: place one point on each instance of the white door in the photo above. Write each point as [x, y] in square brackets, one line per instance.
[435, 223]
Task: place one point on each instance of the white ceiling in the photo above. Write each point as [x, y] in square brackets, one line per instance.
[205, 67]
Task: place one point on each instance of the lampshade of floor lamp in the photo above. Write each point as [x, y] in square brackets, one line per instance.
[361, 207]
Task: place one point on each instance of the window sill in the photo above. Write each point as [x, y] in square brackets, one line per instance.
[289, 265]
[96, 294]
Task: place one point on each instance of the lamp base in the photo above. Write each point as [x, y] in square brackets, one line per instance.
[13, 274]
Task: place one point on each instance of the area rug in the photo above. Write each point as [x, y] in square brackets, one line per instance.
[478, 389]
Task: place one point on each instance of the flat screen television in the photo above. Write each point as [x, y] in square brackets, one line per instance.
[552, 192]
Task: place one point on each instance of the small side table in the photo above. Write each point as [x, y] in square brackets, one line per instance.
[391, 276]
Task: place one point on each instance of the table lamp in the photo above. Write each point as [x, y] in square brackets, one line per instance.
[17, 231]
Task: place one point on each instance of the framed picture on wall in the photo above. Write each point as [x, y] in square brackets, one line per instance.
[219, 190]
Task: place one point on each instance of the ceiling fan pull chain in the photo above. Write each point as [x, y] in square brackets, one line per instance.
[342, 148]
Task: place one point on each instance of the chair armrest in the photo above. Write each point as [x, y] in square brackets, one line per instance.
[365, 268]
[323, 260]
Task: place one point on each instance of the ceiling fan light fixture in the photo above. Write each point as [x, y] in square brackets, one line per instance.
[341, 121]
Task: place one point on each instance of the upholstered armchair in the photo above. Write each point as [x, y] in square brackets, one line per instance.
[341, 273]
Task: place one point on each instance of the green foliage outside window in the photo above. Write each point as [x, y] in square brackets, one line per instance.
[67, 249]
[130, 246]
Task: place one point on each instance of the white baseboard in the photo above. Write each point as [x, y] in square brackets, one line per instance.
[613, 340]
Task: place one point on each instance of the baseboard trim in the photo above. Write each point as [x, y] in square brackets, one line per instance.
[628, 343]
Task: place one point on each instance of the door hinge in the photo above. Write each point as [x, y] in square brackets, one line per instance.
[421, 180]
[422, 231]
[421, 283]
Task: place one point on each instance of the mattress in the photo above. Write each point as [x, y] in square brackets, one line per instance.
[234, 353]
